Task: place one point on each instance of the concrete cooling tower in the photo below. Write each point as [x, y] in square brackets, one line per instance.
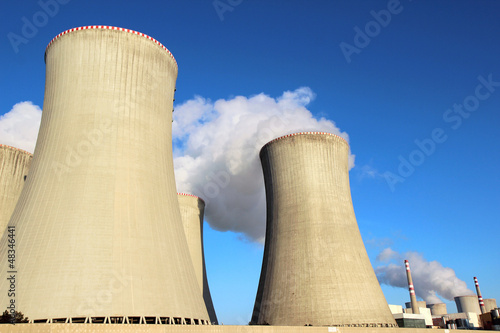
[490, 304]
[437, 309]
[315, 269]
[14, 166]
[192, 210]
[420, 304]
[99, 234]
[467, 304]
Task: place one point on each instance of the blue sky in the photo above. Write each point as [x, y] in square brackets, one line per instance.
[425, 178]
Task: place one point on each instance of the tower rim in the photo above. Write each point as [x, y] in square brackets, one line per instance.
[15, 148]
[190, 195]
[109, 27]
[302, 133]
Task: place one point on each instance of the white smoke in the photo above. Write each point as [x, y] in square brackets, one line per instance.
[217, 147]
[430, 279]
[19, 127]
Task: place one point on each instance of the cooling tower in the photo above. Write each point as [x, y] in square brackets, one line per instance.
[192, 210]
[420, 304]
[467, 304]
[99, 234]
[490, 304]
[315, 269]
[437, 309]
[14, 166]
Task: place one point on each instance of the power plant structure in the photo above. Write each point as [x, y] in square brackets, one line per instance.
[479, 296]
[420, 304]
[102, 236]
[490, 304]
[468, 303]
[315, 269]
[14, 167]
[99, 235]
[411, 289]
[192, 211]
[438, 309]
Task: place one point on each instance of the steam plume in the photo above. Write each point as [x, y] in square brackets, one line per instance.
[19, 126]
[430, 278]
[217, 146]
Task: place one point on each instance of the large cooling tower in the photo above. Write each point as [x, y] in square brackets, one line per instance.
[315, 269]
[14, 166]
[490, 304]
[437, 309]
[98, 229]
[420, 304]
[467, 304]
[192, 210]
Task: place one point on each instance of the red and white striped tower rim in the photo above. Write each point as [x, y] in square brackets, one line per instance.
[305, 133]
[14, 148]
[108, 27]
[479, 296]
[191, 195]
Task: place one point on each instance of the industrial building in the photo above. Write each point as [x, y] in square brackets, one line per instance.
[14, 167]
[192, 211]
[98, 221]
[315, 269]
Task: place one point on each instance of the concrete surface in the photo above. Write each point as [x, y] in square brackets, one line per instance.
[98, 226]
[192, 212]
[315, 269]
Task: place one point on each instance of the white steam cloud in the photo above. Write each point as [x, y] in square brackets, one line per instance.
[19, 127]
[430, 278]
[217, 147]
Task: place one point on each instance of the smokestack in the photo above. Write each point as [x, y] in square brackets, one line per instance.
[315, 269]
[413, 298]
[98, 226]
[479, 297]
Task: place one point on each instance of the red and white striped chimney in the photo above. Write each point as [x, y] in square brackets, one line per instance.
[479, 297]
[413, 298]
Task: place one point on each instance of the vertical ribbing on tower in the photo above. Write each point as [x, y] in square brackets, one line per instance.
[14, 167]
[411, 289]
[192, 212]
[99, 234]
[315, 269]
[479, 296]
